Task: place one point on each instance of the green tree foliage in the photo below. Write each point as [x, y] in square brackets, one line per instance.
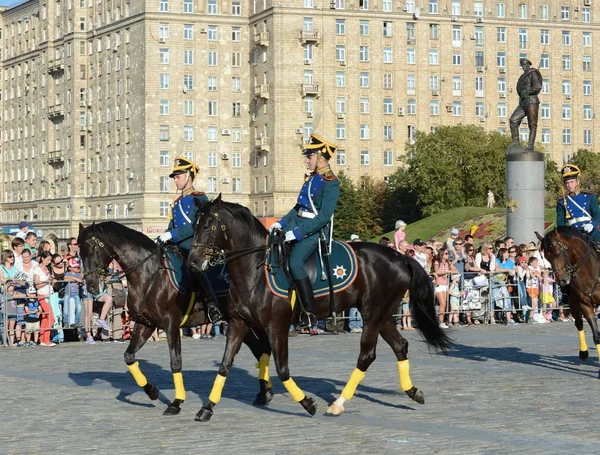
[589, 163]
[455, 166]
[346, 214]
[401, 202]
[552, 183]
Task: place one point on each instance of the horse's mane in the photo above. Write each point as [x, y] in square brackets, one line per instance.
[243, 213]
[567, 232]
[118, 235]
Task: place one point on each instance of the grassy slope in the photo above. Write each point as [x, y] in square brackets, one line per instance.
[438, 226]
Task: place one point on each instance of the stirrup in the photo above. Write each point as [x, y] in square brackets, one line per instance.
[213, 314]
[307, 319]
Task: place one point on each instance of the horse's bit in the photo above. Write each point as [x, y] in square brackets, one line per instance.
[212, 254]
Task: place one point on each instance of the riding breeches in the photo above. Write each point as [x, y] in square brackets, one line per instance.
[300, 254]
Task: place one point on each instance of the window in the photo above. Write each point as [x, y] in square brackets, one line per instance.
[164, 81]
[188, 83]
[587, 88]
[388, 30]
[341, 157]
[364, 79]
[212, 159]
[212, 83]
[236, 34]
[566, 62]
[479, 60]
[236, 84]
[566, 38]
[587, 39]
[587, 112]
[566, 112]
[387, 6]
[365, 160]
[236, 135]
[565, 13]
[457, 35]
[164, 6]
[164, 56]
[164, 184]
[388, 106]
[544, 12]
[236, 185]
[236, 160]
[566, 136]
[340, 131]
[434, 82]
[411, 107]
[587, 137]
[545, 108]
[545, 61]
[586, 15]
[164, 107]
[236, 109]
[308, 24]
[188, 107]
[388, 55]
[456, 58]
[388, 158]
[455, 7]
[364, 28]
[546, 86]
[479, 109]
[410, 83]
[545, 135]
[236, 8]
[188, 57]
[212, 134]
[457, 108]
[566, 87]
[212, 184]
[433, 7]
[500, 10]
[164, 209]
[544, 36]
[410, 56]
[501, 59]
[212, 33]
[364, 106]
[340, 53]
[340, 78]
[340, 26]
[522, 38]
[364, 53]
[213, 108]
[212, 7]
[388, 81]
[502, 110]
[434, 31]
[163, 33]
[434, 107]
[188, 31]
[433, 57]
[388, 133]
[164, 132]
[365, 131]
[340, 105]
[213, 58]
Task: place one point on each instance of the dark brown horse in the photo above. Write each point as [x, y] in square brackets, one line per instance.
[576, 265]
[224, 230]
[153, 302]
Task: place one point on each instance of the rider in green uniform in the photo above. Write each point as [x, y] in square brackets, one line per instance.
[181, 226]
[311, 216]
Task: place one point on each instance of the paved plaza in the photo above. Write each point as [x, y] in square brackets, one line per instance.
[501, 390]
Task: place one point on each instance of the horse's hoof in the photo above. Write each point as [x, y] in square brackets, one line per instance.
[416, 394]
[335, 410]
[204, 415]
[310, 405]
[152, 391]
[263, 399]
[583, 355]
[172, 410]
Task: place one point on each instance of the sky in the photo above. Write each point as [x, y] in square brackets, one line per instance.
[7, 2]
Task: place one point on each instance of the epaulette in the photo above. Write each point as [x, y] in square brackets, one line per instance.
[329, 175]
[586, 192]
[197, 193]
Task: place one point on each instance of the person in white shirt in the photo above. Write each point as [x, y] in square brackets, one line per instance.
[23, 230]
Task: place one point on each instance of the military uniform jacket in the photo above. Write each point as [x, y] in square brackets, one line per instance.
[183, 214]
[528, 87]
[324, 189]
[580, 209]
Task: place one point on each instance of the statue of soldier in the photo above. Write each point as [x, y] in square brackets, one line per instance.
[528, 87]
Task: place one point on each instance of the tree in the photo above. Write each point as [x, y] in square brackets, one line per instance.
[456, 166]
[401, 202]
[552, 183]
[589, 163]
[346, 215]
[369, 207]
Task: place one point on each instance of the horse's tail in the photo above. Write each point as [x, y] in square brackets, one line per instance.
[422, 307]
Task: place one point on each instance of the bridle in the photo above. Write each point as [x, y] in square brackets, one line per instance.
[572, 269]
[213, 254]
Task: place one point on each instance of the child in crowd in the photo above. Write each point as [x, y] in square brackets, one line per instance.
[534, 274]
[32, 312]
[406, 318]
[546, 298]
[72, 303]
[454, 293]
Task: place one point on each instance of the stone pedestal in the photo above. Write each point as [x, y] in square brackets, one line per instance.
[524, 194]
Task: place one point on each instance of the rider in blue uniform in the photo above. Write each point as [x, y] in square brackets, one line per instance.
[577, 208]
[311, 216]
[181, 226]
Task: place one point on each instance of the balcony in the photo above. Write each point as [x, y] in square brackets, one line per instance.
[309, 37]
[310, 89]
[262, 91]
[261, 39]
[56, 157]
[56, 111]
[56, 66]
[263, 143]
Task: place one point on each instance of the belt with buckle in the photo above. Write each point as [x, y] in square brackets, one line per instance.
[306, 214]
[581, 219]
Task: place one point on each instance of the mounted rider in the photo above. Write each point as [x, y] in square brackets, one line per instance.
[310, 218]
[577, 208]
[180, 231]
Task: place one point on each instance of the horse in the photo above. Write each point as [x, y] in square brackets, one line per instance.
[228, 231]
[153, 302]
[576, 265]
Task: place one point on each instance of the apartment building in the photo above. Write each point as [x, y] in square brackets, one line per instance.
[97, 97]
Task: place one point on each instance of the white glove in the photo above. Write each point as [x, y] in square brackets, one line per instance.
[275, 225]
[165, 237]
[588, 227]
[289, 236]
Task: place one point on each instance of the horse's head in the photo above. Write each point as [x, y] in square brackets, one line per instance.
[558, 253]
[209, 236]
[96, 257]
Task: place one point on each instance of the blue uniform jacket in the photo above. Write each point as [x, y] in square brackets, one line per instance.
[572, 215]
[183, 214]
[324, 188]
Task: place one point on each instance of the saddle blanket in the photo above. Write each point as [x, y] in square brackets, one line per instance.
[181, 279]
[344, 269]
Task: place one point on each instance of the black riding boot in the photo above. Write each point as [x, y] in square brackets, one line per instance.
[307, 300]
[212, 304]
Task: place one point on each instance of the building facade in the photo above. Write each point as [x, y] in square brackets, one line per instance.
[98, 97]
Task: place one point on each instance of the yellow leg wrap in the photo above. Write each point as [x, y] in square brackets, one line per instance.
[139, 377]
[295, 391]
[293, 299]
[263, 368]
[215, 393]
[179, 388]
[598, 349]
[582, 343]
[404, 372]
[355, 378]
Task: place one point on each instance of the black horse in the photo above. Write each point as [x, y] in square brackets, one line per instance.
[153, 302]
[576, 265]
[225, 230]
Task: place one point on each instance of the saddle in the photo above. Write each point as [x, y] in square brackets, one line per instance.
[343, 262]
